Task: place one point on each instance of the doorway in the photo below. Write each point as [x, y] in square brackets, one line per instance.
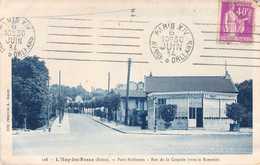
[199, 117]
[195, 117]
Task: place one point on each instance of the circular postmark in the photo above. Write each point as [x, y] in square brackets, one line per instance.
[171, 42]
[17, 36]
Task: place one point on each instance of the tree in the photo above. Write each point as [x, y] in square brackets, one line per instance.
[235, 111]
[29, 92]
[66, 91]
[133, 117]
[97, 102]
[245, 99]
[53, 106]
[143, 115]
[112, 102]
[245, 94]
[168, 112]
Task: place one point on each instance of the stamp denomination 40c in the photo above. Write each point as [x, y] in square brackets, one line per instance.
[236, 22]
[171, 42]
[17, 36]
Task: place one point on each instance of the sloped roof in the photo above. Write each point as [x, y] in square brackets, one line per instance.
[189, 83]
[132, 93]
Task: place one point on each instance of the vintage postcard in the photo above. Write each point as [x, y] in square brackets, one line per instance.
[130, 82]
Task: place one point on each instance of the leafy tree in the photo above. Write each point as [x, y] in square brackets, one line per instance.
[133, 117]
[245, 94]
[245, 99]
[235, 111]
[143, 115]
[168, 112]
[112, 102]
[70, 105]
[74, 93]
[88, 104]
[99, 102]
[66, 91]
[29, 92]
[53, 106]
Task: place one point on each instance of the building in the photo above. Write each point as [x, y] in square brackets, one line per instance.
[137, 100]
[69, 100]
[78, 99]
[201, 101]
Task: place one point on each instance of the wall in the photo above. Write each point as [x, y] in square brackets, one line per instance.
[217, 124]
[214, 107]
[177, 124]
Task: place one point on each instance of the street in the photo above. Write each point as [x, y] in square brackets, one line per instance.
[91, 138]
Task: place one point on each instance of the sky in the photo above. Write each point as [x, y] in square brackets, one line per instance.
[107, 20]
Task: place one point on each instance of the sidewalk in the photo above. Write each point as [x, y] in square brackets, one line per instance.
[137, 130]
[63, 127]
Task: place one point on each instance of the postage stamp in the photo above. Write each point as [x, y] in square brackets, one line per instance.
[171, 42]
[236, 22]
[17, 36]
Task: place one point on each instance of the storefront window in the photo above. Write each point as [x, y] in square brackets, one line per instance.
[211, 109]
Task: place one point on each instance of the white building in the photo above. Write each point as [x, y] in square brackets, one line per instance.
[201, 100]
[137, 99]
[78, 99]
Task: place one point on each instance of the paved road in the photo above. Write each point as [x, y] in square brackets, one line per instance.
[88, 137]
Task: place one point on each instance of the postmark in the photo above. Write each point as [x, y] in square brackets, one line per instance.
[17, 36]
[171, 42]
[236, 23]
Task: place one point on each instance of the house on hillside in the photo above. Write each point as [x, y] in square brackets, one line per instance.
[137, 101]
[201, 100]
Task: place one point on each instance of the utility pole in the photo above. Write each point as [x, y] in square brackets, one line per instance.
[108, 88]
[127, 91]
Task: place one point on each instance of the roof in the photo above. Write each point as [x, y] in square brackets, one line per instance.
[132, 93]
[189, 83]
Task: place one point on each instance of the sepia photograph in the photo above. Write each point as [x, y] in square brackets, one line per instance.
[129, 82]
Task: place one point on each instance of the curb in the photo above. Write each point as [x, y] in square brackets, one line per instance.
[107, 125]
[137, 133]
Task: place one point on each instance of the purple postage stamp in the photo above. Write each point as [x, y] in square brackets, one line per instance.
[236, 22]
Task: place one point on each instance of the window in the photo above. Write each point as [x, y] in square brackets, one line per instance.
[182, 111]
[192, 112]
[142, 105]
[195, 102]
[211, 109]
[161, 101]
[136, 104]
